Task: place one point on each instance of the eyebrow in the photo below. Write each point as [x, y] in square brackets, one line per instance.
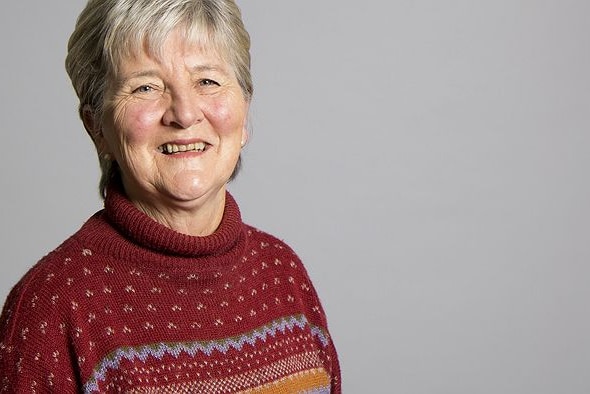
[209, 67]
[139, 74]
[121, 81]
[154, 73]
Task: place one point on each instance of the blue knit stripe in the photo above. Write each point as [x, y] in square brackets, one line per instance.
[159, 350]
[320, 390]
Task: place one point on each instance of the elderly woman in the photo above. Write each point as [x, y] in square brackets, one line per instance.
[165, 289]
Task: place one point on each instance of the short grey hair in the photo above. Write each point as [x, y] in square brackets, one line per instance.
[109, 31]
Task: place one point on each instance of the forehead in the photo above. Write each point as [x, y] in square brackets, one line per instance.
[190, 47]
[173, 58]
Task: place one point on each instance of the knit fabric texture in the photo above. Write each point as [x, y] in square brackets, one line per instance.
[129, 305]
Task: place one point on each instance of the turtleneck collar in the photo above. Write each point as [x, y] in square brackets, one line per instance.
[122, 231]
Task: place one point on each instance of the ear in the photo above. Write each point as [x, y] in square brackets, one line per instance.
[245, 132]
[245, 136]
[93, 128]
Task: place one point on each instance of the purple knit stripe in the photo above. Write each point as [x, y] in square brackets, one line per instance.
[158, 351]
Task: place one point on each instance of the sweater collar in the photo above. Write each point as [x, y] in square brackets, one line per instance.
[145, 232]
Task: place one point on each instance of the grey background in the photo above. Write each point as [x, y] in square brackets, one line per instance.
[428, 160]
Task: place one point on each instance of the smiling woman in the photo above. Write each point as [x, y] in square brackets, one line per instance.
[165, 289]
[174, 125]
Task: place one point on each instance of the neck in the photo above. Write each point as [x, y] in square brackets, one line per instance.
[142, 229]
[196, 220]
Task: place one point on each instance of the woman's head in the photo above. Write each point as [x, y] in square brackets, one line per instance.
[110, 32]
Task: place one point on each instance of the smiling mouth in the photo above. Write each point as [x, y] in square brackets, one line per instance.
[169, 149]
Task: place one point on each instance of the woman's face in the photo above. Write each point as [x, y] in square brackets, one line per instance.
[175, 126]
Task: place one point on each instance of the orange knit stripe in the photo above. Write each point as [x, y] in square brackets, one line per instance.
[302, 381]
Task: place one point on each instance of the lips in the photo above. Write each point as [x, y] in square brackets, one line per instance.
[170, 148]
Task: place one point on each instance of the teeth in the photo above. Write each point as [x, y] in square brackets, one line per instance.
[174, 148]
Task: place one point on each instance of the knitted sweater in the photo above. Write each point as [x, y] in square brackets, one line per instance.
[129, 305]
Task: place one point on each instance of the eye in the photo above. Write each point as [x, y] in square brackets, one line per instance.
[208, 82]
[144, 89]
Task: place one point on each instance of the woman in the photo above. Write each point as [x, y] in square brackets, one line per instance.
[165, 289]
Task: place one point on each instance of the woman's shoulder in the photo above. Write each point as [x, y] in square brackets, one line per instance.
[265, 242]
[53, 265]
[270, 251]
[44, 303]
[46, 284]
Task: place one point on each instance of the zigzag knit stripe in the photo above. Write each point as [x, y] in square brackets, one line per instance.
[159, 350]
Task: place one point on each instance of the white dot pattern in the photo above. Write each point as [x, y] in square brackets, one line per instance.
[101, 313]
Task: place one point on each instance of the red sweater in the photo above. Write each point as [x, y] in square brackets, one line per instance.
[129, 305]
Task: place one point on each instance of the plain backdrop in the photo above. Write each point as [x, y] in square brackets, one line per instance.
[428, 160]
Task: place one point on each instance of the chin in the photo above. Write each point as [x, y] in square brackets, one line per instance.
[194, 190]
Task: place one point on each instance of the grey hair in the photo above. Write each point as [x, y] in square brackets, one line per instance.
[109, 31]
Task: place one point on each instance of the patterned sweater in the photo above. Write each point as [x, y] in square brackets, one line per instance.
[129, 305]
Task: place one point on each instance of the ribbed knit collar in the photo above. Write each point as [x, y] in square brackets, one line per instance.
[146, 233]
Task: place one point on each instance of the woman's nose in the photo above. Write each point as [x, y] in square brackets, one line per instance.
[183, 110]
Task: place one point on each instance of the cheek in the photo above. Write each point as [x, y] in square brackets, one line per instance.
[136, 122]
[228, 116]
